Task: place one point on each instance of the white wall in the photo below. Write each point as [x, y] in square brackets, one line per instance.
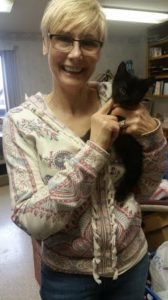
[32, 65]
[119, 48]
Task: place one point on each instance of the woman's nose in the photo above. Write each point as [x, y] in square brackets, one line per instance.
[76, 50]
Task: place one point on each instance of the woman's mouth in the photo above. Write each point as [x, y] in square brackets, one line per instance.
[73, 70]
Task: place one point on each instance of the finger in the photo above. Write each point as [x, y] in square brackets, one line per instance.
[125, 113]
[106, 107]
[110, 117]
[118, 111]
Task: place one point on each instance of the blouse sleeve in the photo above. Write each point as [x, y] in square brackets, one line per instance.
[154, 164]
[44, 209]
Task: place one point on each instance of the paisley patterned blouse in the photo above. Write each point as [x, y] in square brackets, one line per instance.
[62, 191]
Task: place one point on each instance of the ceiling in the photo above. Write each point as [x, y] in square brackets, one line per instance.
[26, 15]
[151, 5]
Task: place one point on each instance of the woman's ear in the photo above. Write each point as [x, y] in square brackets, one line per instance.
[45, 46]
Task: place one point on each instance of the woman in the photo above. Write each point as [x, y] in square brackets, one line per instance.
[61, 189]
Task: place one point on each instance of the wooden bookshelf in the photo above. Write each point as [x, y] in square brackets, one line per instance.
[157, 60]
[157, 97]
[159, 57]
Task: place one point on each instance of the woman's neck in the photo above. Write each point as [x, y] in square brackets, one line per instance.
[72, 101]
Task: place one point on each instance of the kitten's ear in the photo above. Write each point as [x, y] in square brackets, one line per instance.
[122, 68]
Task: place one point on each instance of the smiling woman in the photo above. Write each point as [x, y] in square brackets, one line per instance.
[63, 169]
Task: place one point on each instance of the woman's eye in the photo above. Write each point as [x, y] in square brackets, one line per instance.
[64, 39]
[89, 43]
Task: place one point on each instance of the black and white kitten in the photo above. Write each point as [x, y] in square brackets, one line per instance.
[128, 91]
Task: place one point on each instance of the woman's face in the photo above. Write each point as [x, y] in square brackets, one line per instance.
[73, 68]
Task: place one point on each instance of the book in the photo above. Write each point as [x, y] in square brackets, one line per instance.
[165, 88]
[157, 88]
[161, 87]
[155, 51]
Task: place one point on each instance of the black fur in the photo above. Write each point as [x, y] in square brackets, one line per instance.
[128, 91]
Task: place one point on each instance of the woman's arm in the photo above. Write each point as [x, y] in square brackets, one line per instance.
[42, 210]
[154, 164]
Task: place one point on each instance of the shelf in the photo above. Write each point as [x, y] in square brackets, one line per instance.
[159, 76]
[159, 43]
[155, 97]
[159, 57]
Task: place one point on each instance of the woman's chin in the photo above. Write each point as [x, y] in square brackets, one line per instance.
[73, 79]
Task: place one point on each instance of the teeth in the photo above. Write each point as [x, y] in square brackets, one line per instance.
[72, 69]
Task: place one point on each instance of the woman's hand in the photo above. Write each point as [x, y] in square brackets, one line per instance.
[104, 128]
[138, 121]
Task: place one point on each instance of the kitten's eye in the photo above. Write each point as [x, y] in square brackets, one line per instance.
[122, 91]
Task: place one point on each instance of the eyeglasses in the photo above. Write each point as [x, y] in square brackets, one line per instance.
[65, 43]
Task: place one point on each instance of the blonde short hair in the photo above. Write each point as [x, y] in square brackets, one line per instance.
[84, 14]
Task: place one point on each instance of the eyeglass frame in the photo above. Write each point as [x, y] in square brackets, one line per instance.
[51, 35]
